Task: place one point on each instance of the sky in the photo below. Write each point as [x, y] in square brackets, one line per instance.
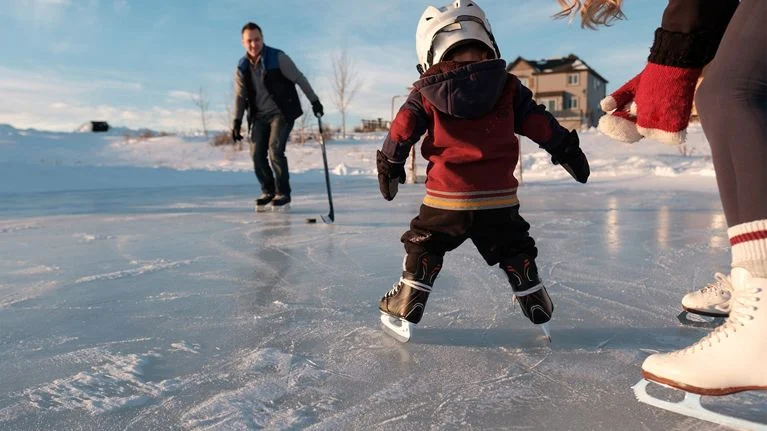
[138, 63]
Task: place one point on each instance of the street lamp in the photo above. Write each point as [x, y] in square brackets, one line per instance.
[410, 178]
[393, 98]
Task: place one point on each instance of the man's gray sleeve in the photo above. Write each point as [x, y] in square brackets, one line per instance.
[239, 96]
[290, 71]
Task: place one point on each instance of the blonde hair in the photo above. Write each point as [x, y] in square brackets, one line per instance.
[593, 12]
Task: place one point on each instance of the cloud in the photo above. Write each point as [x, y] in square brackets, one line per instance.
[121, 5]
[69, 118]
[50, 102]
[177, 95]
[508, 17]
[45, 85]
[38, 12]
[379, 81]
[61, 47]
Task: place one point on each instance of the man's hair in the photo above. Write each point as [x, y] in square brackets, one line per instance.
[251, 26]
[593, 12]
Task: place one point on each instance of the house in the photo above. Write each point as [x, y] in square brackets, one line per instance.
[379, 124]
[567, 86]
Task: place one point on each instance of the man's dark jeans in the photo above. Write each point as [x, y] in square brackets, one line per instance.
[268, 138]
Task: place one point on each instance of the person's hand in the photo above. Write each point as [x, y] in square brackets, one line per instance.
[570, 156]
[236, 136]
[317, 108]
[620, 122]
[390, 175]
[656, 104]
[664, 102]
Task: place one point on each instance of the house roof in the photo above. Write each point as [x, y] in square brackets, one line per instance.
[571, 63]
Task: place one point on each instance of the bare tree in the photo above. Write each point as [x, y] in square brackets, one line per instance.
[203, 103]
[226, 119]
[303, 122]
[345, 84]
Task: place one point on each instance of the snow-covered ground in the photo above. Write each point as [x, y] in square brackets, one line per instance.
[138, 290]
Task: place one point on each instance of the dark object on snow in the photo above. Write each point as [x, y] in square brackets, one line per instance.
[99, 126]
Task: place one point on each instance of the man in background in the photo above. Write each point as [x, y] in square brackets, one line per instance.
[265, 85]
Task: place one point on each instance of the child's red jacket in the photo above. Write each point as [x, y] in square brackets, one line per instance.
[471, 111]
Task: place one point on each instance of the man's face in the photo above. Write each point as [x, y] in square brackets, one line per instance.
[253, 42]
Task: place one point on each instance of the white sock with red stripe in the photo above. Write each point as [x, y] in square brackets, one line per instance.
[749, 247]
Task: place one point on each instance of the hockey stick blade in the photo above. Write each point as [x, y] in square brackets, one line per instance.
[545, 328]
[690, 406]
[327, 219]
[399, 329]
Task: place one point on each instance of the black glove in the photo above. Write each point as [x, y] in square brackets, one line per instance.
[317, 108]
[236, 136]
[390, 175]
[570, 156]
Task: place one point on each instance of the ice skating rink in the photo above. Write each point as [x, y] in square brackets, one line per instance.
[180, 308]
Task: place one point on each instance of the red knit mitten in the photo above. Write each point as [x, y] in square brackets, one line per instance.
[664, 102]
[620, 122]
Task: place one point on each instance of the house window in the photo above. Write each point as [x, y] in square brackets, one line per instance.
[596, 84]
[573, 103]
[572, 79]
[552, 104]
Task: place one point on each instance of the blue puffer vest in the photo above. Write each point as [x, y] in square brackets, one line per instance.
[283, 90]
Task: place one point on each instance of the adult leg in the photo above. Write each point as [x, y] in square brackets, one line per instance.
[278, 137]
[733, 107]
[259, 147]
[732, 104]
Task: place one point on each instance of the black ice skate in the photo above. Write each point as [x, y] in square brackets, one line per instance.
[262, 201]
[403, 305]
[281, 203]
[529, 291]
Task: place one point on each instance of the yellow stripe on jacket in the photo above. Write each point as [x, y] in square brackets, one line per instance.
[469, 201]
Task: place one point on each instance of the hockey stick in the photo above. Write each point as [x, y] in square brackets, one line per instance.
[330, 218]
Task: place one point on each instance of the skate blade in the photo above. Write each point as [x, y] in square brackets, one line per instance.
[696, 320]
[397, 328]
[261, 208]
[281, 208]
[690, 406]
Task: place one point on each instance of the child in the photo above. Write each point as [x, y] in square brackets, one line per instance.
[470, 108]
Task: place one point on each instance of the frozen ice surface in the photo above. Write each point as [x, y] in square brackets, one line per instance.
[180, 308]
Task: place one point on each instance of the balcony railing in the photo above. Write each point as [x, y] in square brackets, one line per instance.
[568, 113]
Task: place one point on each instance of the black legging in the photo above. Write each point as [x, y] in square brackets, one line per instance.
[732, 104]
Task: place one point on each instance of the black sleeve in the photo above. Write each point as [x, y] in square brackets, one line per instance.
[690, 32]
[533, 121]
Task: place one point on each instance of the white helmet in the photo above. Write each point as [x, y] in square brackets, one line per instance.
[440, 29]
